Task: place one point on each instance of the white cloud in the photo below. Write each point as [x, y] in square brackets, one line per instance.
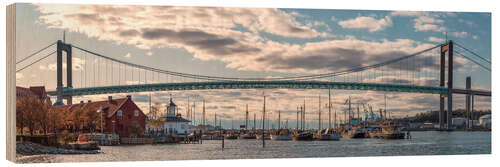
[462, 34]
[369, 23]
[207, 37]
[427, 23]
[77, 65]
[435, 39]
[269, 20]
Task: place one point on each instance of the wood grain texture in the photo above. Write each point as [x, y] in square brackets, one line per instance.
[11, 83]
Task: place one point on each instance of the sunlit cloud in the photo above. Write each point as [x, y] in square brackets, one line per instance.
[370, 23]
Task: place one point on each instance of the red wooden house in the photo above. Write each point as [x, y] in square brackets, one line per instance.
[120, 116]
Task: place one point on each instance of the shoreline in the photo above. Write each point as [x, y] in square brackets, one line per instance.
[28, 152]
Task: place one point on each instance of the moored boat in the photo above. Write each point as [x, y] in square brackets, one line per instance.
[391, 132]
[302, 136]
[373, 131]
[248, 135]
[283, 134]
[327, 134]
[266, 137]
[231, 136]
[354, 133]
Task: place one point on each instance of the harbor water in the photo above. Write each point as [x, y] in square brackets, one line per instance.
[421, 143]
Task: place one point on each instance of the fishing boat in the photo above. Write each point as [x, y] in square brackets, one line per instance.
[327, 134]
[248, 135]
[354, 133]
[391, 132]
[372, 131]
[282, 134]
[302, 136]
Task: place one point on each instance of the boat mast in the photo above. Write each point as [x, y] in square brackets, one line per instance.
[286, 126]
[358, 111]
[319, 112]
[301, 117]
[335, 120]
[329, 110]
[246, 119]
[263, 122]
[254, 122]
[349, 110]
[297, 117]
[304, 113]
[279, 119]
[385, 106]
[194, 111]
[204, 114]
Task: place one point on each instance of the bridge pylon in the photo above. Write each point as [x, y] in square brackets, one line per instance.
[446, 48]
[63, 47]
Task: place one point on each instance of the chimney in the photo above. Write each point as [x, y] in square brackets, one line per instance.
[129, 97]
[110, 99]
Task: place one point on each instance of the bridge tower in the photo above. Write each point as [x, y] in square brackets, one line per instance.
[446, 117]
[63, 47]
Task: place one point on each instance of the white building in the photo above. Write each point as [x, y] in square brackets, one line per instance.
[458, 121]
[485, 120]
[174, 123]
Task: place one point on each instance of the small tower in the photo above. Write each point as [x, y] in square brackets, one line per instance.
[171, 109]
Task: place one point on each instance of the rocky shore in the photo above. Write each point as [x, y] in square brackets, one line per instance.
[29, 152]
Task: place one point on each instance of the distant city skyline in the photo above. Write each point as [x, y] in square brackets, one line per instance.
[251, 42]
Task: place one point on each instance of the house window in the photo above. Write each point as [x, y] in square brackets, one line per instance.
[119, 113]
[136, 113]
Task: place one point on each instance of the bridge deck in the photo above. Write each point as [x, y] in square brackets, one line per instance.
[251, 85]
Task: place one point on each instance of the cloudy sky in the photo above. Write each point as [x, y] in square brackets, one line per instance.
[251, 42]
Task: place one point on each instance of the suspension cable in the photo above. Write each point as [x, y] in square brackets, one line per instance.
[473, 53]
[35, 62]
[282, 78]
[34, 53]
[475, 62]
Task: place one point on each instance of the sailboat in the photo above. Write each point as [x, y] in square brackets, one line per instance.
[388, 130]
[303, 135]
[328, 133]
[353, 131]
[281, 134]
[246, 134]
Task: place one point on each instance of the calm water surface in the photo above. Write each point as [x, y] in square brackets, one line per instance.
[422, 143]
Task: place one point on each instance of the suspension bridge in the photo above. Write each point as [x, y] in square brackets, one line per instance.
[428, 71]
